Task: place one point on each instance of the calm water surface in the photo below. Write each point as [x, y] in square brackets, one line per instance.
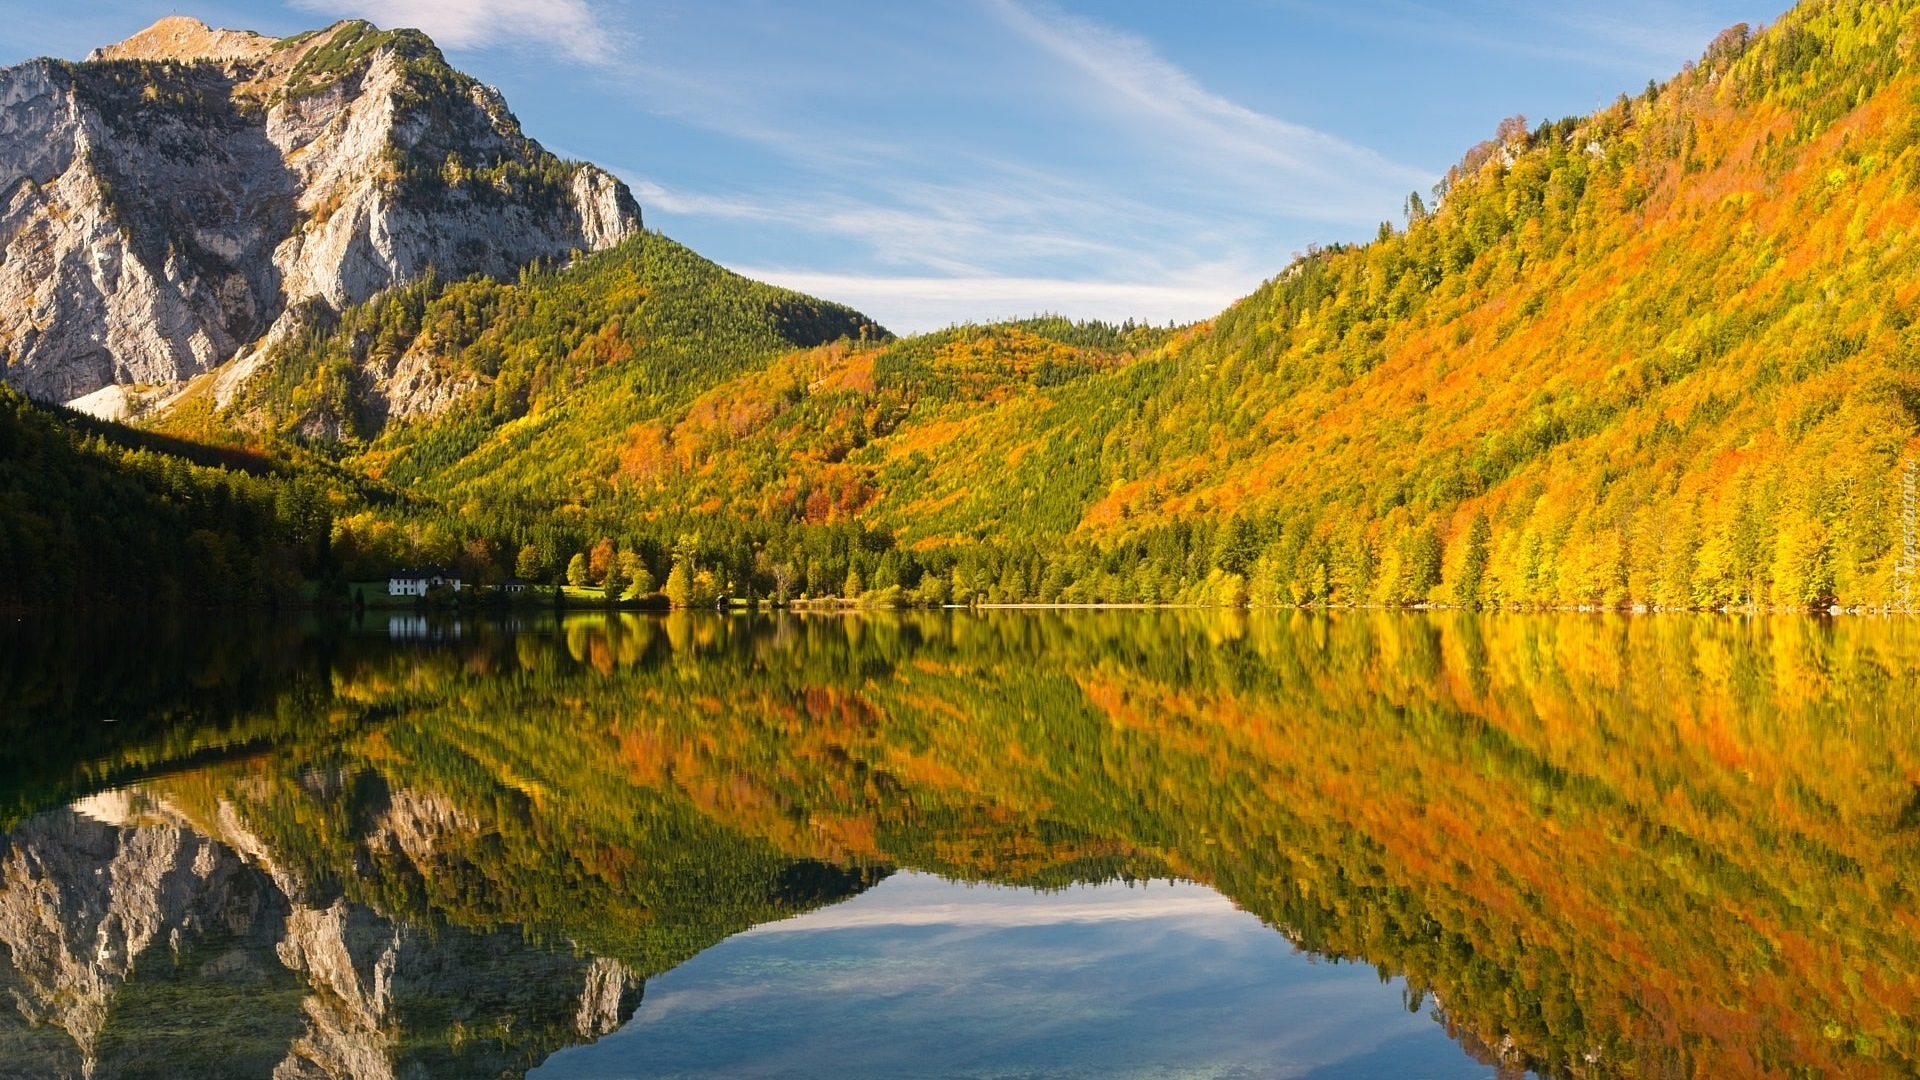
[1003, 845]
[921, 976]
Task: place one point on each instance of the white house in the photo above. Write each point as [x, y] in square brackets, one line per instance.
[417, 582]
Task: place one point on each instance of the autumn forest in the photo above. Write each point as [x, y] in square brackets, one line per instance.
[1660, 357]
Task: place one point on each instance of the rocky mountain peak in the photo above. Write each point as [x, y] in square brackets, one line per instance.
[179, 37]
[180, 199]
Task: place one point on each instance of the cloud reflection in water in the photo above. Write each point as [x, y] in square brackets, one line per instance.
[925, 977]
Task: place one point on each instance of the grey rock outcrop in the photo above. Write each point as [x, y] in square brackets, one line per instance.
[174, 200]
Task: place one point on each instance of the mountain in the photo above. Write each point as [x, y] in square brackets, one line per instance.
[643, 325]
[1660, 356]
[185, 215]
[180, 197]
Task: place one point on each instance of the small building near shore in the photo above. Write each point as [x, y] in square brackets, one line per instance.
[416, 582]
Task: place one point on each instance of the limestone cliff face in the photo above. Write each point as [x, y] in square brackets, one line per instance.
[133, 943]
[173, 200]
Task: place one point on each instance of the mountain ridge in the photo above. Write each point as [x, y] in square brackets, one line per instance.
[184, 196]
[1661, 356]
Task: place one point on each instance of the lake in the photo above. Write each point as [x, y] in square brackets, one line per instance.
[962, 844]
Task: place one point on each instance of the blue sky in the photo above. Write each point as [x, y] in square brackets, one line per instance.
[935, 161]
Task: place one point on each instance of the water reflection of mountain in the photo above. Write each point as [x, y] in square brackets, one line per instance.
[1651, 846]
[144, 936]
[138, 946]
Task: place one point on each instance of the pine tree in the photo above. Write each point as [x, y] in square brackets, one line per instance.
[1473, 567]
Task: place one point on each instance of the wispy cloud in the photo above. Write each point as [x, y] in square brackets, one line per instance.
[1656, 34]
[569, 27]
[915, 304]
[967, 228]
[1309, 172]
[1008, 914]
[913, 898]
[953, 248]
[1186, 177]
[1628, 36]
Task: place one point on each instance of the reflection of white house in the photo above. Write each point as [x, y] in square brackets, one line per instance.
[417, 582]
[417, 628]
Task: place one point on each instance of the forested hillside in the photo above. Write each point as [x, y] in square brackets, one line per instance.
[90, 512]
[1663, 355]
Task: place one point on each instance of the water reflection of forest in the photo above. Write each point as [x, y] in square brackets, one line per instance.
[1603, 845]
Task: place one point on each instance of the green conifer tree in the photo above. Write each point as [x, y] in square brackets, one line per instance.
[1473, 566]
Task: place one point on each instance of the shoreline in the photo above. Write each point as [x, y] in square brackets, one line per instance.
[545, 602]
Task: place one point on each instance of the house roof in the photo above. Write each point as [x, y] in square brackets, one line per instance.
[425, 572]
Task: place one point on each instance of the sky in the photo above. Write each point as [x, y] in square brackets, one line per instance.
[940, 161]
